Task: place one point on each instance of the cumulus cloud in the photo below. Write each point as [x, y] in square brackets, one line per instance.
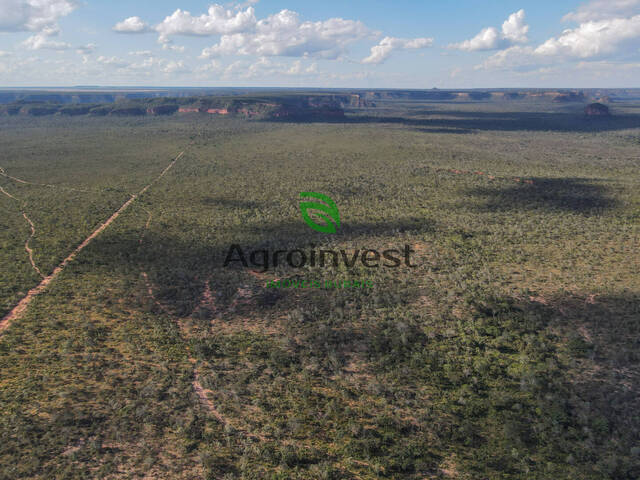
[608, 30]
[217, 21]
[280, 34]
[132, 25]
[514, 30]
[388, 45]
[175, 67]
[487, 39]
[42, 41]
[284, 34]
[594, 38]
[512, 57]
[33, 15]
[590, 40]
[298, 69]
[603, 10]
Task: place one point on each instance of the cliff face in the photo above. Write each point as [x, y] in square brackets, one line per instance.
[358, 101]
[298, 107]
[294, 107]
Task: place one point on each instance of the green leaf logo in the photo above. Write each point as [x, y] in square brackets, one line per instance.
[327, 211]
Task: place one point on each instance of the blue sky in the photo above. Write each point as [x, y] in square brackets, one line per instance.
[368, 44]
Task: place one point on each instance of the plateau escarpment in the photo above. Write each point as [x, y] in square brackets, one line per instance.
[298, 107]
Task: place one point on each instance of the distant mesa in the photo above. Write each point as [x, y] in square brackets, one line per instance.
[286, 106]
[597, 110]
[218, 111]
[283, 107]
[565, 97]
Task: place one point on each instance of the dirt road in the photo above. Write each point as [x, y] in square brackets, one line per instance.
[19, 309]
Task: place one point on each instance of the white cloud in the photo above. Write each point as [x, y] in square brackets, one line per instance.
[592, 39]
[280, 34]
[213, 66]
[86, 49]
[112, 61]
[487, 39]
[262, 68]
[147, 65]
[387, 45]
[33, 15]
[174, 67]
[284, 34]
[142, 53]
[514, 30]
[298, 69]
[511, 57]
[42, 41]
[232, 69]
[217, 21]
[132, 25]
[174, 48]
[603, 10]
[4, 54]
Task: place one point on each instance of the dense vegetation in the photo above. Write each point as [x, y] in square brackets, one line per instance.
[510, 352]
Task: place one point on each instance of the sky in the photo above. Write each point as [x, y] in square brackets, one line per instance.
[336, 44]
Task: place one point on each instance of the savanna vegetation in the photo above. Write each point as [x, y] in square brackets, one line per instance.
[510, 352]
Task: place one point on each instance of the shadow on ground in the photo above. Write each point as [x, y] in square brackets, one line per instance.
[179, 265]
[576, 195]
[458, 122]
[510, 381]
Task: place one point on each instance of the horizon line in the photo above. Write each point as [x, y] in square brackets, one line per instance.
[151, 87]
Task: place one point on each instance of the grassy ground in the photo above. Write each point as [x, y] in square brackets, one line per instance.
[511, 351]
